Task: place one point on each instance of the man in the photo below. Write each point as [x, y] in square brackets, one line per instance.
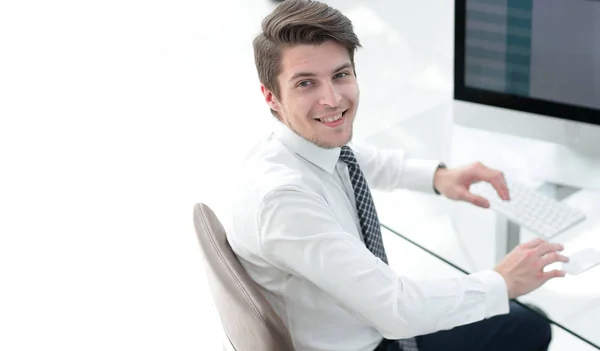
[306, 229]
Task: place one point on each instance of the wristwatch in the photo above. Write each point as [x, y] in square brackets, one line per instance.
[441, 165]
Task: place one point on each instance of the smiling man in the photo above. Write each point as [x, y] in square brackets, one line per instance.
[306, 229]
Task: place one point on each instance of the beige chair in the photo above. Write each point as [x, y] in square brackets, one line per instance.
[249, 322]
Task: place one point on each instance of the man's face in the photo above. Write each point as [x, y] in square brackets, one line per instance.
[318, 95]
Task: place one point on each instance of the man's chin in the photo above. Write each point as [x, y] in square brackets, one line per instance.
[334, 141]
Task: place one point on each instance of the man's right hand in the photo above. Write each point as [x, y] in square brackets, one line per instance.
[523, 267]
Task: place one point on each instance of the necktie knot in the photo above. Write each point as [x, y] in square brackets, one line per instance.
[347, 156]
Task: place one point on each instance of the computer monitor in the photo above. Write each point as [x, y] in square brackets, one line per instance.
[531, 68]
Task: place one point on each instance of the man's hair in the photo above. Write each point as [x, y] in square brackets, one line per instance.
[296, 22]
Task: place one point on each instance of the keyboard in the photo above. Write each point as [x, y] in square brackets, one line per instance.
[531, 209]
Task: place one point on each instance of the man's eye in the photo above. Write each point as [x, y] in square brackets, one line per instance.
[340, 75]
[305, 83]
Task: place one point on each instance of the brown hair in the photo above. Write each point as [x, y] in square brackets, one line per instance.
[297, 22]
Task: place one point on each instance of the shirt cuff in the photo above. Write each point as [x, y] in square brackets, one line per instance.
[419, 175]
[496, 301]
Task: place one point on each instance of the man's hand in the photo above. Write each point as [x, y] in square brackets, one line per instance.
[455, 183]
[523, 267]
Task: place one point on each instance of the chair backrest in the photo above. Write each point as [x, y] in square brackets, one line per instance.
[248, 320]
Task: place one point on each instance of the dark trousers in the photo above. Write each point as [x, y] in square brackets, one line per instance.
[520, 330]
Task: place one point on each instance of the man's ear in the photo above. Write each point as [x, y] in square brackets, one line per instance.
[270, 98]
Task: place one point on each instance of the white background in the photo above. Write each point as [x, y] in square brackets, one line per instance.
[116, 118]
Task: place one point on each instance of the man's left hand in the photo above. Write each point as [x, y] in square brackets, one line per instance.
[455, 183]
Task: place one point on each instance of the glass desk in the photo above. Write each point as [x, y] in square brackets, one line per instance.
[461, 238]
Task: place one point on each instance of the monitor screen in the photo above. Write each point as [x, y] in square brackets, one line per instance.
[539, 56]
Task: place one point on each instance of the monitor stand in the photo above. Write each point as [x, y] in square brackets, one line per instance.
[569, 166]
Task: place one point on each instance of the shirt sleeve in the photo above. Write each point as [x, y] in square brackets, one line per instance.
[387, 169]
[299, 235]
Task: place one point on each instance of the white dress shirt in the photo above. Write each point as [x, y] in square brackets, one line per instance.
[295, 230]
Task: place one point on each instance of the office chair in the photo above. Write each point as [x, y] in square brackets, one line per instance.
[248, 320]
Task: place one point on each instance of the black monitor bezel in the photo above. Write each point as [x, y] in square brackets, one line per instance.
[504, 100]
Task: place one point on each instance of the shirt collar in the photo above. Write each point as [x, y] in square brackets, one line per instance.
[321, 157]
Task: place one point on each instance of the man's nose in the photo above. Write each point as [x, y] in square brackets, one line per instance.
[330, 95]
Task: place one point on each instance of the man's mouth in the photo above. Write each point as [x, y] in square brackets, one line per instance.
[331, 119]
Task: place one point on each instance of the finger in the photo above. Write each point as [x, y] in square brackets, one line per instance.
[497, 180]
[553, 257]
[499, 183]
[506, 196]
[475, 199]
[547, 247]
[533, 243]
[555, 273]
